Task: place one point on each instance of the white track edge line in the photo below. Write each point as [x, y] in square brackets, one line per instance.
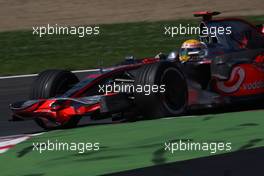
[32, 75]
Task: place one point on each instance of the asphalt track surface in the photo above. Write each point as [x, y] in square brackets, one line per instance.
[239, 163]
[13, 90]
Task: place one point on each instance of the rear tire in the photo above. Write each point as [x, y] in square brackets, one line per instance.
[52, 83]
[173, 101]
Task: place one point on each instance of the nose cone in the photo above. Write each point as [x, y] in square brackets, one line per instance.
[22, 105]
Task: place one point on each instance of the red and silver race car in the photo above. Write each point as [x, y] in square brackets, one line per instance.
[231, 72]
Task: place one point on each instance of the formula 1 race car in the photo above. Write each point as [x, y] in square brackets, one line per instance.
[231, 72]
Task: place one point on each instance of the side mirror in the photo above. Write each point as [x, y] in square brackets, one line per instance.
[173, 56]
[130, 58]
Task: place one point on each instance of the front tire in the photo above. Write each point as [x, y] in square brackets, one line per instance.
[52, 83]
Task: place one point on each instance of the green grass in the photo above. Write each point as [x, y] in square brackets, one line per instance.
[21, 52]
[133, 145]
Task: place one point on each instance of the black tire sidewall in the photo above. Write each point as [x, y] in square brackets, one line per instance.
[46, 85]
[153, 105]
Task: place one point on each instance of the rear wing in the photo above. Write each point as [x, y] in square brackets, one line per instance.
[206, 15]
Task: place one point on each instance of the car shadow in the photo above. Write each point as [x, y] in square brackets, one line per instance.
[239, 163]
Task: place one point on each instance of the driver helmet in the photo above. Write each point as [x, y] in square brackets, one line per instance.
[190, 49]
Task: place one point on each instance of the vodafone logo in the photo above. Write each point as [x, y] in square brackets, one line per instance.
[254, 85]
[233, 84]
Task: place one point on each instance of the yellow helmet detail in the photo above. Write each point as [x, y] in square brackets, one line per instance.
[188, 46]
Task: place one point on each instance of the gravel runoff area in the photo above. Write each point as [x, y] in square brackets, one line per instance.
[23, 14]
